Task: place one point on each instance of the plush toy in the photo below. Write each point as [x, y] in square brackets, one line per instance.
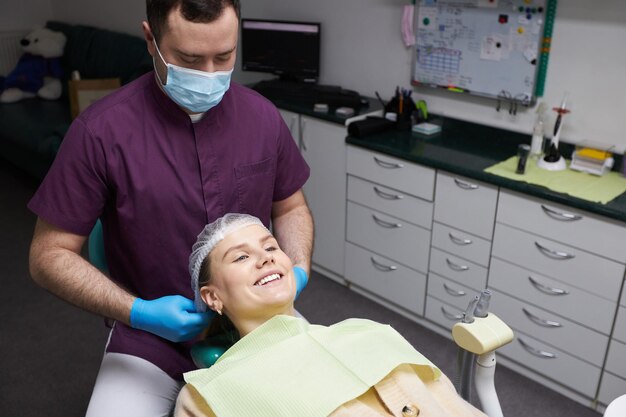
[38, 71]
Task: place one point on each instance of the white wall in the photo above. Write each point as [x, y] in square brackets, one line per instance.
[362, 50]
[20, 14]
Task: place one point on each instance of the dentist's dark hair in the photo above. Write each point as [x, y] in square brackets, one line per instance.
[197, 11]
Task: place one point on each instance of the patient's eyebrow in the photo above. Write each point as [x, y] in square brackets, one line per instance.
[245, 245]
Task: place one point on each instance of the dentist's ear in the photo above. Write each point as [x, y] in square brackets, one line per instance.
[212, 300]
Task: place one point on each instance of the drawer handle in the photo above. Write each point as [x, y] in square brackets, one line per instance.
[382, 267]
[541, 322]
[553, 253]
[387, 196]
[455, 266]
[451, 316]
[458, 240]
[302, 136]
[388, 165]
[465, 185]
[385, 224]
[545, 289]
[453, 292]
[537, 352]
[559, 215]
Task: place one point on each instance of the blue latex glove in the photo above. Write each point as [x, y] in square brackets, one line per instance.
[172, 317]
[301, 279]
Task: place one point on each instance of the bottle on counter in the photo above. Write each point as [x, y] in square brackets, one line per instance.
[537, 139]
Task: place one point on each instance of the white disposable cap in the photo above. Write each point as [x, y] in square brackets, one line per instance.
[211, 235]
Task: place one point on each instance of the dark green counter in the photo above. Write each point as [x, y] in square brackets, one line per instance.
[466, 149]
[307, 110]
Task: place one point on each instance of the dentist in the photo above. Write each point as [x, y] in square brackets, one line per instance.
[157, 160]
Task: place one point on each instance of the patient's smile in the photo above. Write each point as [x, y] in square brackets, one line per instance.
[268, 279]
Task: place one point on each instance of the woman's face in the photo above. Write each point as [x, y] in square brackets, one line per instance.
[251, 277]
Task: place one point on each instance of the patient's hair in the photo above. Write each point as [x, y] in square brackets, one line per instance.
[197, 11]
[221, 324]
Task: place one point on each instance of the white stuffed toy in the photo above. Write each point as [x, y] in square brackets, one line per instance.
[39, 70]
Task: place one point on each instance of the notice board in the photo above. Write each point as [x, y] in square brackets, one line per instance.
[490, 48]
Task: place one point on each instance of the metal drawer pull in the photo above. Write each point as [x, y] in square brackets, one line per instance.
[387, 196]
[456, 267]
[453, 292]
[553, 253]
[389, 165]
[302, 126]
[540, 353]
[561, 215]
[385, 224]
[458, 240]
[382, 267]
[292, 123]
[540, 321]
[545, 289]
[465, 185]
[451, 316]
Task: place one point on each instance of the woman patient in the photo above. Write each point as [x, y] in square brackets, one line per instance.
[283, 366]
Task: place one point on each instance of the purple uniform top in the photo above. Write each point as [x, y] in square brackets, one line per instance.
[136, 160]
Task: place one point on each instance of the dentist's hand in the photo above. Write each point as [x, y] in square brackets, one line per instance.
[172, 317]
[301, 279]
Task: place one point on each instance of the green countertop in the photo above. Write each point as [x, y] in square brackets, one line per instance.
[307, 110]
[466, 149]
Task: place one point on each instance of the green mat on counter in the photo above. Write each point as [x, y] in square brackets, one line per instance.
[598, 189]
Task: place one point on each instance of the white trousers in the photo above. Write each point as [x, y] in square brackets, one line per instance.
[129, 386]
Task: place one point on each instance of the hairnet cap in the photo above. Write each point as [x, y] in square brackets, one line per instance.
[211, 235]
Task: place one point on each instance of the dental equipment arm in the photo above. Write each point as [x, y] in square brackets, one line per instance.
[482, 335]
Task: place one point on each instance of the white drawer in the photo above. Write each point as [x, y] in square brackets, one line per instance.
[592, 233]
[392, 172]
[388, 236]
[441, 313]
[390, 201]
[460, 270]
[450, 292]
[386, 278]
[611, 388]
[561, 333]
[466, 204]
[562, 368]
[592, 273]
[620, 325]
[461, 243]
[562, 299]
[616, 359]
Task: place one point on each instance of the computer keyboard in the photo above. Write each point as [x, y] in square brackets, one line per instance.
[334, 96]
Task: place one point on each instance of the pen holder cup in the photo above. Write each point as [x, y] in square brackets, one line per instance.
[404, 111]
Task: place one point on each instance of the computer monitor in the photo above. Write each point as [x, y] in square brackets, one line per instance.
[290, 50]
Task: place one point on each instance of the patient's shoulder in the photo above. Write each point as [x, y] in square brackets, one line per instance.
[191, 404]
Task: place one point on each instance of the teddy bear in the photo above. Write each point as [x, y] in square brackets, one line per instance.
[39, 71]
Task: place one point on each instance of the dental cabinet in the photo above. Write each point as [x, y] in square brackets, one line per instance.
[416, 225]
[321, 139]
[555, 264]
[389, 221]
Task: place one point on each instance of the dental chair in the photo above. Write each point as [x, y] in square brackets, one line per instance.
[479, 334]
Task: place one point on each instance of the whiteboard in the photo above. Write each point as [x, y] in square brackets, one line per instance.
[485, 47]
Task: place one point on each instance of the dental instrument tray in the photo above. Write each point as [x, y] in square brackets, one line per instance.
[593, 158]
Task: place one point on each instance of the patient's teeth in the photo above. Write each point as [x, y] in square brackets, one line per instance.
[267, 279]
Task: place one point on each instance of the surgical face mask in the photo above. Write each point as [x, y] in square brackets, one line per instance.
[197, 91]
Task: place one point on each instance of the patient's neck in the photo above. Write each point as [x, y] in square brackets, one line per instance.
[245, 325]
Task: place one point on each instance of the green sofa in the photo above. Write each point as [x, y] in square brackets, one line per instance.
[32, 130]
